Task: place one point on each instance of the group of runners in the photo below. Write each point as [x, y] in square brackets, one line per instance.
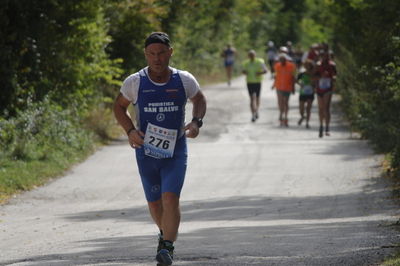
[313, 71]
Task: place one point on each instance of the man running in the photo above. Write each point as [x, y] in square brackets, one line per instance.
[326, 74]
[254, 68]
[271, 56]
[285, 71]
[229, 60]
[159, 94]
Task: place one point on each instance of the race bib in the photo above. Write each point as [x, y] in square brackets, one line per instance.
[324, 83]
[159, 142]
[308, 89]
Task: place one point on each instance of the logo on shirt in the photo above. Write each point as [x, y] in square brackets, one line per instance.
[172, 93]
[160, 117]
[144, 91]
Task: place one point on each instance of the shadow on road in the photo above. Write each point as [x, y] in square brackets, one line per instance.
[268, 230]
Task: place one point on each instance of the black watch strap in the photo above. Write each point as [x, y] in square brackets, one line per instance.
[199, 121]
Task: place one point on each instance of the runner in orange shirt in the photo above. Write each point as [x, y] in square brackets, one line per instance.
[285, 71]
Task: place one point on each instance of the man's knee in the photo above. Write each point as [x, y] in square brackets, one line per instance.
[170, 200]
[155, 205]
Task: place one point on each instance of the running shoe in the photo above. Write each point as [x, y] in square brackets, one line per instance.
[327, 133]
[286, 122]
[300, 121]
[321, 131]
[307, 125]
[253, 118]
[166, 254]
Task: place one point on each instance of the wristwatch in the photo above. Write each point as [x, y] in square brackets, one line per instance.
[199, 121]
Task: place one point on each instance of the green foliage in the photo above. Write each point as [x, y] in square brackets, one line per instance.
[288, 21]
[62, 62]
[393, 261]
[41, 130]
[369, 68]
[316, 23]
[52, 46]
[130, 22]
[199, 31]
[55, 73]
[39, 143]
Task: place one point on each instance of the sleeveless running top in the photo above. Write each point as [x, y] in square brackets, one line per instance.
[229, 56]
[163, 105]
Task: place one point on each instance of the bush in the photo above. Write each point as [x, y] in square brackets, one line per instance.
[41, 130]
[371, 99]
[40, 143]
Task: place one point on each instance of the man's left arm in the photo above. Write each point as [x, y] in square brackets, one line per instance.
[199, 111]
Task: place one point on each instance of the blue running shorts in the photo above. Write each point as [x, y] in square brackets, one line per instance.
[163, 175]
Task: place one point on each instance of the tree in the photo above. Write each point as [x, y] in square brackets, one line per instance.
[52, 47]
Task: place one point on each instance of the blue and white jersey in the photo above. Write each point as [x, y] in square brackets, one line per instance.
[161, 104]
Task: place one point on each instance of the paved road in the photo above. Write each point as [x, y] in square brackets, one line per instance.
[255, 194]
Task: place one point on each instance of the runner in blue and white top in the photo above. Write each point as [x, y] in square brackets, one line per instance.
[229, 54]
[159, 94]
[160, 105]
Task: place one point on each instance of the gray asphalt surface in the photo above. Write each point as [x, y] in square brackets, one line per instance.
[255, 194]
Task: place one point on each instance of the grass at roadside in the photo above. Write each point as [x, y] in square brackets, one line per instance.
[393, 261]
[20, 175]
[44, 141]
[393, 176]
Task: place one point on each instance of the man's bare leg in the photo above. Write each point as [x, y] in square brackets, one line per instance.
[171, 216]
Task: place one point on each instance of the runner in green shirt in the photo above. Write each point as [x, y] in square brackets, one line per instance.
[254, 68]
[306, 80]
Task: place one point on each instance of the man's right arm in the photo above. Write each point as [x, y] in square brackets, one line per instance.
[121, 113]
[124, 119]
